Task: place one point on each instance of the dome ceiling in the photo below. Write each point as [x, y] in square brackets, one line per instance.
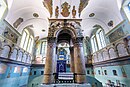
[23, 13]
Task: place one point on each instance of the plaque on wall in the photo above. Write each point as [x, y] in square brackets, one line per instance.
[117, 34]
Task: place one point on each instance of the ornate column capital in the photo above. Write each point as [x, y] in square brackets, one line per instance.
[51, 39]
[78, 41]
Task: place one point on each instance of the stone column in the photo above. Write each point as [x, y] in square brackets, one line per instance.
[79, 61]
[72, 59]
[50, 58]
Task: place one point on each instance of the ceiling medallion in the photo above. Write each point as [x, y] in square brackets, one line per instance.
[110, 23]
[35, 15]
[91, 15]
[65, 9]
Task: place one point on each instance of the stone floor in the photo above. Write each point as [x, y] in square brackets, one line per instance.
[66, 85]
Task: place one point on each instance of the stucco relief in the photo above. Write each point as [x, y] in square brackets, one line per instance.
[3, 68]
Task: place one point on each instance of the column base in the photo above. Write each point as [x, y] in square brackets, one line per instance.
[48, 79]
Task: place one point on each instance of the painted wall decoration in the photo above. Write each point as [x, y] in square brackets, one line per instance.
[48, 5]
[117, 35]
[82, 5]
[17, 69]
[3, 68]
[123, 71]
[38, 59]
[73, 12]
[25, 69]
[9, 34]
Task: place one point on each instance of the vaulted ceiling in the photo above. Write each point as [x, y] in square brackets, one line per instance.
[34, 13]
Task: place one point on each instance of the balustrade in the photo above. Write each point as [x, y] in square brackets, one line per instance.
[10, 50]
[117, 49]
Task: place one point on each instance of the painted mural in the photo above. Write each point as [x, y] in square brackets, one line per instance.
[25, 69]
[82, 5]
[48, 5]
[9, 34]
[3, 68]
[117, 35]
[17, 69]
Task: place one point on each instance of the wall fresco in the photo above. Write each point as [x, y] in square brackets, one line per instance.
[3, 68]
[9, 34]
[117, 35]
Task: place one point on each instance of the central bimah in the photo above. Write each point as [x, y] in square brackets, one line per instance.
[68, 31]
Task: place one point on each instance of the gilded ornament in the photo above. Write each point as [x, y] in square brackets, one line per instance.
[48, 5]
[57, 12]
[73, 12]
[65, 9]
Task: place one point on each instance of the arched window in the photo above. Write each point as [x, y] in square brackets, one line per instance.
[2, 8]
[94, 43]
[85, 47]
[26, 41]
[98, 40]
[43, 48]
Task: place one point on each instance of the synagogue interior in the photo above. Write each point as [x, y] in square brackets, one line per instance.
[64, 43]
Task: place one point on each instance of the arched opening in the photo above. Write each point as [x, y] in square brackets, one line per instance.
[63, 52]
